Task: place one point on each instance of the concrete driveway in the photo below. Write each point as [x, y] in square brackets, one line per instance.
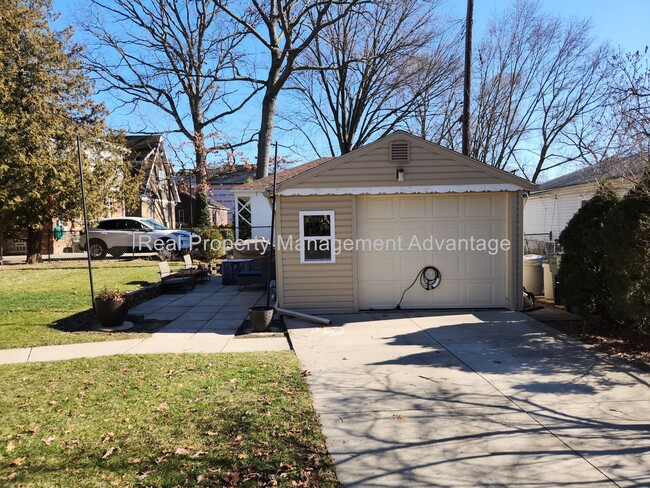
[491, 398]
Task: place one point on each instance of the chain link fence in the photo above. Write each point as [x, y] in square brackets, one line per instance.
[124, 239]
[542, 244]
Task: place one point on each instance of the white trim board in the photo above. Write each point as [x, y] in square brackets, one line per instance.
[397, 190]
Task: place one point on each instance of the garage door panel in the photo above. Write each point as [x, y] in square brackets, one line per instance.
[379, 295]
[444, 231]
[407, 230]
[374, 231]
[446, 206]
[479, 205]
[449, 264]
[379, 266]
[410, 264]
[479, 265]
[469, 279]
[379, 209]
[482, 230]
[447, 294]
[478, 293]
[413, 208]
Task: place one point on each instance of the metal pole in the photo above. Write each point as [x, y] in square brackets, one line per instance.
[467, 85]
[272, 254]
[83, 200]
[191, 205]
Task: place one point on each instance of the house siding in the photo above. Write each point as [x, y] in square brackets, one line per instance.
[425, 167]
[315, 287]
[550, 211]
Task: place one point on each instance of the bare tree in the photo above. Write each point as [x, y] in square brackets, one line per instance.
[630, 92]
[435, 114]
[284, 29]
[385, 58]
[538, 77]
[177, 56]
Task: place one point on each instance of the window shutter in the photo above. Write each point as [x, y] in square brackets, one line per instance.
[399, 152]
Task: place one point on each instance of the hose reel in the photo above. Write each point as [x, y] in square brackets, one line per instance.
[429, 276]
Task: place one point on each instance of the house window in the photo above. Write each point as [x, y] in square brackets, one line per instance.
[20, 245]
[317, 237]
[161, 179]
[181, 215]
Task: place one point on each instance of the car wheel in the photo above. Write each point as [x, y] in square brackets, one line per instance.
[97, 249]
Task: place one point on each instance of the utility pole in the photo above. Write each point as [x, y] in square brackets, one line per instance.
[467, 84]
[85, 210]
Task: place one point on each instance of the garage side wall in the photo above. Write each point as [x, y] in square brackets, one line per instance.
[315, 287]
[516, 253]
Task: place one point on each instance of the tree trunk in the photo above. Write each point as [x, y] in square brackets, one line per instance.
[34, 240]
[200, 212]
[266, 135]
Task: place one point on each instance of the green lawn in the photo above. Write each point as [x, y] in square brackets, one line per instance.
[161, 420]
[34, 298]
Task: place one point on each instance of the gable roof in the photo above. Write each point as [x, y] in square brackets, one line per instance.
[609, 169]
[284, 175]
[211, 201]
[400, 135]
[140, 146]
[240, 175]
[144, 151]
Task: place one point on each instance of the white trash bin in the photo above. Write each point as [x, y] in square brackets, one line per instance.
[549, 282]
[534, 274]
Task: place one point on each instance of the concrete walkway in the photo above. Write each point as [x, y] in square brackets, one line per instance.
[202, 321]
[473, 399]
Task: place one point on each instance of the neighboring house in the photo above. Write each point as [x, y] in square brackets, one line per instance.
[159, 194]
[185, 209]
[158, 199]
[386, 199]
[221, 185]
[548, 210]
[253, 210]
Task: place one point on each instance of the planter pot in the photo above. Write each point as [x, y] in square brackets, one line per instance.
[111, 313]
[261, 318]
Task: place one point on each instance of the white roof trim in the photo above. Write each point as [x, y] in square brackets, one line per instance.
[398, 190]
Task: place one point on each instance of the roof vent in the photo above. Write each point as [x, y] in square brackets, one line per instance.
[399, 151]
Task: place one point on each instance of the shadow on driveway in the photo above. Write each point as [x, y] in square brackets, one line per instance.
[473, 399]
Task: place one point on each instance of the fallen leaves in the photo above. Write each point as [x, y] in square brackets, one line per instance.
[18, 461]
[10, 447]
[108, 452]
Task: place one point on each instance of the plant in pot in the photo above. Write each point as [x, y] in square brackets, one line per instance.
[111, 307]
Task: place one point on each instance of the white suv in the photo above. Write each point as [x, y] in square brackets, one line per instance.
[134, 234]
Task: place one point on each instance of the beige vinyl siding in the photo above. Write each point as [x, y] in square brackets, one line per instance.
[515, 255]
[315, 287]
[425, 167]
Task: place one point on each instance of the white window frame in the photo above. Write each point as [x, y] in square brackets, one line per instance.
[303, 239]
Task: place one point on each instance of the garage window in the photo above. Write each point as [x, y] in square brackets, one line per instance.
[317, 236]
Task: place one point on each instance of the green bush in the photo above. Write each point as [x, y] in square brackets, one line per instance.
[212, 244]
[627, 257]
[581, 276]
[201, 211]
[227, 232]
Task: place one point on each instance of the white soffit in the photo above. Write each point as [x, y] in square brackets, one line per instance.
[398, 190]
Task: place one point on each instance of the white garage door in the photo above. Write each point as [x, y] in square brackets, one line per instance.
[432, 230]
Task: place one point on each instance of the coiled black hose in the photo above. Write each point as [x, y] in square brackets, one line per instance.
[429, 277]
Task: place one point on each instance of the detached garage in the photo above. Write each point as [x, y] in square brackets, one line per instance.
[356, 232]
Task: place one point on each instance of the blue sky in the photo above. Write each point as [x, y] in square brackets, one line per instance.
[623, 23]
